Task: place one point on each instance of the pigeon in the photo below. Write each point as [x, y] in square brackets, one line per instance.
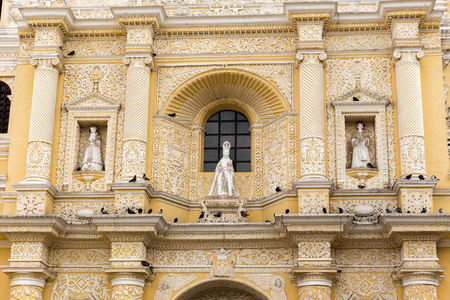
[103, 211]
[287, 211]
[218, 214]
[361, 185]
[244, 214]
[145, 177]
[369, 165]
[424, 210]
[421, 177]
[202, 215]
[408, 212]
[154, 54]
[133, 179]
[175, 220]
[434, 177]
[341, 211]
[140, 210]
[278, 189]
[145, 264]
[388, 210]
[441, 211]
[79, 169]
[150, 211]
[173, 115]
[130, 211]
[151, 268]
[355, 99]
[267, 221]
[398, 210]
[324, 210]
[71, 53]
[60, 47]
[408, 177]
[160, 212]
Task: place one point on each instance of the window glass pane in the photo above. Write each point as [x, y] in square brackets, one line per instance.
[209, 167]
[211, 141]
[241, 117]
[227, 115]
[212, 128]
[211, 155]
[227, 127]
[243, 167]
[243, 127]
[229, 138]
[214, 117]
[243, 154]
[243, 141]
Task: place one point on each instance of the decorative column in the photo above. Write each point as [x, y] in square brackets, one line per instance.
[312, 115]
[138, 56]
[46, 58]
[314, 273]
[420, 271]
[127, 274]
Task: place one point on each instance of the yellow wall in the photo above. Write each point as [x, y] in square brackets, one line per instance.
[4, 280]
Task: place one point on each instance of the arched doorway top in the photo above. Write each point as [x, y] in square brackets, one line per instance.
[259, 95]
[206, 288]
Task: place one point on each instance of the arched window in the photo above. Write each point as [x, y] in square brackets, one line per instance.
[232, 126]
[5, 91]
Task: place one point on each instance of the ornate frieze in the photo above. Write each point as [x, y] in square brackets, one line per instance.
[352, 42]
[314, 253]
[81, 257]
[81, 284]
[312, 202]
[96, 48]
[31, 203]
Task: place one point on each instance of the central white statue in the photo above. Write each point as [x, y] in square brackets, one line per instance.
[224, 183]
[360, 143]
[93, 156]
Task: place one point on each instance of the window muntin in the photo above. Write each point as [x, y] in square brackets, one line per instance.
[232, 126]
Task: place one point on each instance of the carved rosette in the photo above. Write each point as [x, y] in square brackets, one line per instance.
[312, 115]
[30, 204]
[410, 114]
[312, 202]
[136, 116]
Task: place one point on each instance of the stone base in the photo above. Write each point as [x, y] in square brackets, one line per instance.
[229, 207]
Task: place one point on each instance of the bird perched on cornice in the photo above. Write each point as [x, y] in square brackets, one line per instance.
[145, 177]
[398, 210]
[421, 177]
[71, 53]
[145, 264]
[217, 214]
[408, 177]
[287, 211]
[175, 220]
[103, 211]
[160, 211]
[150, 211]
[355, 99]
[244, 214]
[424, 210]
[388, 210]
[202, 215]
[130, 211]
[324, 210]
[278, 189]
[369, 165]
[434, 177]
[267, 221]
[361, 186]
[341, 211]
[140, 210]
[441, 211]
[173, 115]
[133, 179]
[408, 212]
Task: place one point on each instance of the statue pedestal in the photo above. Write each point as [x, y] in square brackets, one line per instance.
[230, 209]
[362, 174]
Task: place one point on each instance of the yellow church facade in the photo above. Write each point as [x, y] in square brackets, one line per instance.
[115, 114]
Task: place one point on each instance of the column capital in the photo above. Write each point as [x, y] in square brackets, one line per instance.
[47, 62]
[408, 55]
[135, 61]
[310, 56]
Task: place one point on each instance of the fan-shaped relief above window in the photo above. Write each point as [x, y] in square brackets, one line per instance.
[362, 151]
[90, 143]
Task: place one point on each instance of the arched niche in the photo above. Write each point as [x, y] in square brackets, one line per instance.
[261, 100]
[217, 287]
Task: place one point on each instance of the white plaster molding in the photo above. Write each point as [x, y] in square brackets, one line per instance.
[420, 281]
[28, 281]
[312, 282]
[127, 281]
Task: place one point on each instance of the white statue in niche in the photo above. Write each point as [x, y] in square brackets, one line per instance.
[360, 144]
[93, 156]
[224, 183]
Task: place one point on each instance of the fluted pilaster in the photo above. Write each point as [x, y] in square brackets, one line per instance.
[312, 115]
[136, 116]
[410, 113]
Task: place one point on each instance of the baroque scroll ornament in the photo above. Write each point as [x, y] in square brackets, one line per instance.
[28, 292]
[80, 284]
[172, 283]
